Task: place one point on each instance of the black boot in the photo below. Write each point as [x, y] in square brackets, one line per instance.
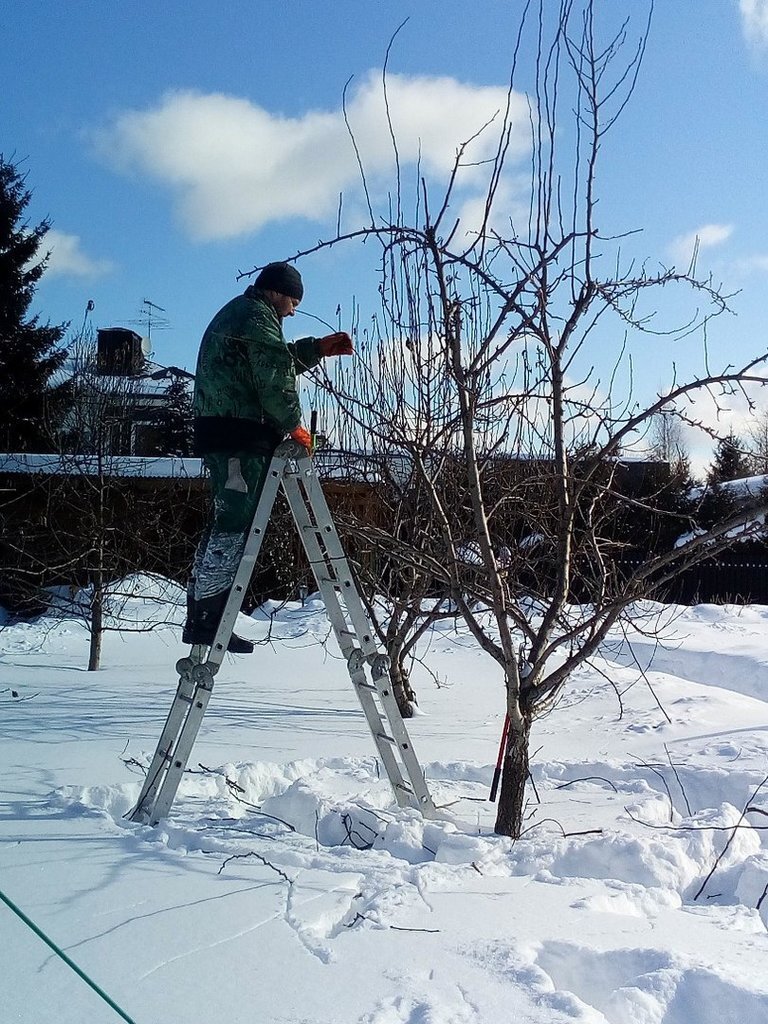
[203, 621]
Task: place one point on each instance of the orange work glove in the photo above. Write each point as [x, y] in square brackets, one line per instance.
[338, 344]
[303, 437]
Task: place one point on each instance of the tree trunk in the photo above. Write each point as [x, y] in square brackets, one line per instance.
[97, 628]
[509, 819]
[401, 688]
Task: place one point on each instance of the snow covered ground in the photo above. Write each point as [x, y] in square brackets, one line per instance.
[287, 888]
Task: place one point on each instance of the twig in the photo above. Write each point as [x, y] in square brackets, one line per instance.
[588, 778]
[238, 831]
[533, 785]
[351, 833]
[677, 777]
[16, 699]
[697, 828]
[664, 783]
[400, 928]
[731, 837]
[230, 782]
[565, 835]
[393, 927]
[236, 790]
[258, 856]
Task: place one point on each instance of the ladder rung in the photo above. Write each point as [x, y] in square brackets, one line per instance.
[370, 686]
[405, 788]
[383, 736]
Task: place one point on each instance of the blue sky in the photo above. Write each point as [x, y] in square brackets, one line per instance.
[174, 144]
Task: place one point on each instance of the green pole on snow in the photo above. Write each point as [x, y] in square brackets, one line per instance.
[62, 955]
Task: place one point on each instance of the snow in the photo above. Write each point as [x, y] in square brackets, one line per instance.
[287, 887]
[166, 467]
[744, 487]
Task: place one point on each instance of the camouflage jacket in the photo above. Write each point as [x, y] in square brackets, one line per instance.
[245, 383]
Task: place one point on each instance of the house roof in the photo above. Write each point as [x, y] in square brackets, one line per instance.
[164, 467]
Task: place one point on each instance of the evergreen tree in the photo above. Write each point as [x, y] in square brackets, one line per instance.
[731, 461]
[174, 423]
[676, 507]
[30, 352]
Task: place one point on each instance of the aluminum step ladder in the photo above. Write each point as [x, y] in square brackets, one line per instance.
[291, 468]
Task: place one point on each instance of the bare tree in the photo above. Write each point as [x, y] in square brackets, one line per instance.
[391, 541]
[667, 438]
[485, 360]
[116, 527]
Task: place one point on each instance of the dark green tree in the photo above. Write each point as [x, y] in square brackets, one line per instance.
[30, 352]
[731, 461]
[174, 430]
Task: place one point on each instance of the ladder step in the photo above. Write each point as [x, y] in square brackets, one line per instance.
[388, 739]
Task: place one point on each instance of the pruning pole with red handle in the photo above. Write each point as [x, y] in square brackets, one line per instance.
[499, 760]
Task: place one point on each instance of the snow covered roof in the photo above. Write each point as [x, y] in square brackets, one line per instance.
[361, 467]
[153, 380]
[165, 467]
[745, 487]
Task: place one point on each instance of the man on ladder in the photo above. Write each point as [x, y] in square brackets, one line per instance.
[245, 404]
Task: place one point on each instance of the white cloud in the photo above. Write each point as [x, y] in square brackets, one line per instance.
[754, 20]
[718, 414]
[510, 206]
[68, 259]
[753, 264]
[707, 236]
[233, 166]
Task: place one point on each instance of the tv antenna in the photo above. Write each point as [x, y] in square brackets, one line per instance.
[151, 319]
[151, 316]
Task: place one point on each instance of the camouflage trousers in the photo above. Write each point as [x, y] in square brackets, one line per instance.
[236, 485]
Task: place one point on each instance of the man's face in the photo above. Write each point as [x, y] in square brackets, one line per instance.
[285, 305]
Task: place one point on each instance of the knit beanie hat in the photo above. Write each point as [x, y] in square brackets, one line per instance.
[282, 278]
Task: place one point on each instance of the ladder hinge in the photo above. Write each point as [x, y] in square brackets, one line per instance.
[356, 660]
[380, 665]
